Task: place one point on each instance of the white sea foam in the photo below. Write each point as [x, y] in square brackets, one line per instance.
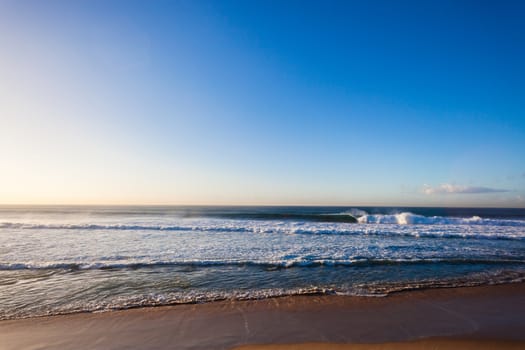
[395, 225]
[408, 218]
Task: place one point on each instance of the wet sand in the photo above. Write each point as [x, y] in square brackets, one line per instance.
[453, 318]
[426, 344]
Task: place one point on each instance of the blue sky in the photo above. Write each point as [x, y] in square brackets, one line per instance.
[263, 102]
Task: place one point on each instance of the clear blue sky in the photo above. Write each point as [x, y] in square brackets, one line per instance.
[263, 102]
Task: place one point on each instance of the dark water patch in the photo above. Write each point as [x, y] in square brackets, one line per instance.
[345, 218]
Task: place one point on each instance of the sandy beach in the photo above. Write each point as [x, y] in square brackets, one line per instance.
[474, 317]
[432, 343]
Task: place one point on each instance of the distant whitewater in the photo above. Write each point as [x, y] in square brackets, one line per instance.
[56, 260]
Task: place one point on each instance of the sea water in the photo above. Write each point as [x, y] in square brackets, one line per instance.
[57, 260]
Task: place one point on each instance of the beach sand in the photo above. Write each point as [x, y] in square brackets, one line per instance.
[487, 317]
[426, 344]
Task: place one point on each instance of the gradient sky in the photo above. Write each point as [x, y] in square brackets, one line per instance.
[263, 102]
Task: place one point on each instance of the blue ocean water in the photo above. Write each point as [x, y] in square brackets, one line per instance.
[56, 260]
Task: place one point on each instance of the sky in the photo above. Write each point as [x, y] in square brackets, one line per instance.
[393, 103]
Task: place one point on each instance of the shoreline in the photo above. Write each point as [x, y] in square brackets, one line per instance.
[474, 313]
[308, 294]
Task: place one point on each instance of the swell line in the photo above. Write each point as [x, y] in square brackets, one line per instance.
[300, 262]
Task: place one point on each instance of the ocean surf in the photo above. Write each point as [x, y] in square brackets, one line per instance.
[58, 260]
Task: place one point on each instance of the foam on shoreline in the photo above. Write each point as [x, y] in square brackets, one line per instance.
[476, 313]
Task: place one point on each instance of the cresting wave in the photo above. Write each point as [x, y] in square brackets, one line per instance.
[413, 219]
[295, 262]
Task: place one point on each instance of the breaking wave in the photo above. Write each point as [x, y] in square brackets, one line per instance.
[246, 222]
[408, 218]
[404, 224]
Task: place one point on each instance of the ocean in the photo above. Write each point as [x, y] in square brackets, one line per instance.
[66, 259]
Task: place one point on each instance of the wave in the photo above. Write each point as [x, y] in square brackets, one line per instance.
[408, 218]
[399, 225]
[242, 222]
[295, 262]
[375, 227]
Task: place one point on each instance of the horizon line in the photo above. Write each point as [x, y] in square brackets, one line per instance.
[243, 205]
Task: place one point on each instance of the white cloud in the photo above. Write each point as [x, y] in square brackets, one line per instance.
[455, 189]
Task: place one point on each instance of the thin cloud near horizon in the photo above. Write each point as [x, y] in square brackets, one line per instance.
[458, 189]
